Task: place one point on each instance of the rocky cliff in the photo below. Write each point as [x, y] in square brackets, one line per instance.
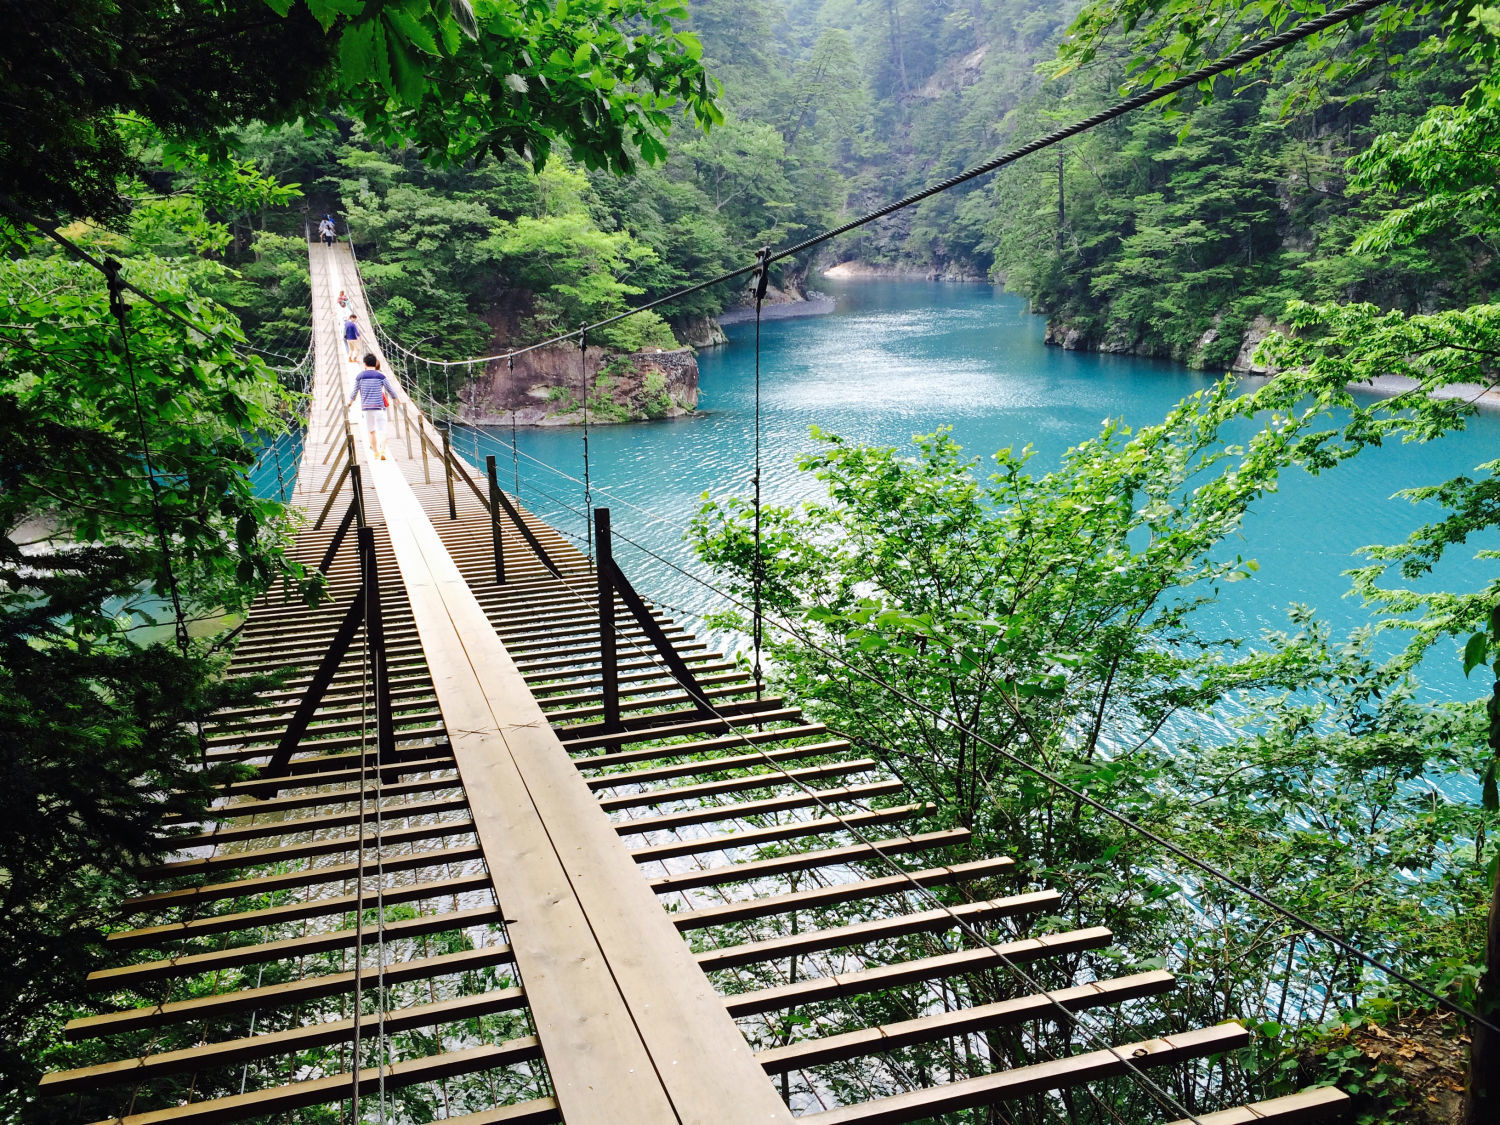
[546, 388]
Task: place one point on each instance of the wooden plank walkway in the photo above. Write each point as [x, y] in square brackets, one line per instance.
[647, 922]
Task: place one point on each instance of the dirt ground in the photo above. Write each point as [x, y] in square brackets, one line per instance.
[1432, 1053]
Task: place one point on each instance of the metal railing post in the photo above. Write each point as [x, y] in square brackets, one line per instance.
[604, 570]
[448, 469]
[495, 536]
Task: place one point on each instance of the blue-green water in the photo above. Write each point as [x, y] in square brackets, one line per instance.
[901, 358]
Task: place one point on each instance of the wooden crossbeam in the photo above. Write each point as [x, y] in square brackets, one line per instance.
[963, 1021]
[768, 780]
[754, 837]
[814, 989]
[875, 929]
[286, 995]
[232, 1052]
[158, 936]
[276, 1100]
[708, 814]
[807, 860]
[1056, 1074]
[815, 897]
[187, 964]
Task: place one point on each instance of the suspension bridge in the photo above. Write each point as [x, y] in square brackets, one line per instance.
[517, 847]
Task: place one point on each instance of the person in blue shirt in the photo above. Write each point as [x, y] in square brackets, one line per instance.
[370, 387]
[351, 334]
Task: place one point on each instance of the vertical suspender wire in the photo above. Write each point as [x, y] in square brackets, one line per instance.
[588, 498]
[381, 703]
[359, 874]
[758, 573]
[510, 390]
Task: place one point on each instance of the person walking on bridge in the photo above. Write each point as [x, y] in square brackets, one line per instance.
[371, 386]
[351, 335]
[325, 230]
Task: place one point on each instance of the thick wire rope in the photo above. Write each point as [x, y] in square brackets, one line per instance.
[1120, 109]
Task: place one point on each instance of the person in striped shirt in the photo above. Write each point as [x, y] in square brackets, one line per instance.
[371, 387]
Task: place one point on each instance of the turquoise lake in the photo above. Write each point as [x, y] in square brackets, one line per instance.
[901, 358]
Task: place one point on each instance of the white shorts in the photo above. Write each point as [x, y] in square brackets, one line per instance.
[375, 420]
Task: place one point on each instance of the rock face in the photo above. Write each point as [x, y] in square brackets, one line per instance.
[856, 269]
[699, 332]
[1065, 336]
[1244, 360]
[546, 388]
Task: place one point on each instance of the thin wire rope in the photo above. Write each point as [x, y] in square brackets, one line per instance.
[1203, 74]
[359, 889]
[1201, 864]
[588, 497]
[1073, 1018]
[759, 569]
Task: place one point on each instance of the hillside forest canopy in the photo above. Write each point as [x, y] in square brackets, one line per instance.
[514, 168]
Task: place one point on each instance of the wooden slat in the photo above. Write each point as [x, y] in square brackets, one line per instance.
[876, 929]
[739, 784]
[881, 977]
[697, 726]
[158, 936]
[1005, 1085]
[296, 827]
[231, 1052]
[806, 861]
[329, 845]
[723, 764]
[299, 1095]
[283, 995]
[839, 893]
[694, 749]
[302, 877]
[187, 964]
[710, 814]
[754, 837]
[1323, 1103]
[964, 1021]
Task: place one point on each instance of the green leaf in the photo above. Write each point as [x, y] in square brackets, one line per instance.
[405, 28]
[1475, 652]
[327, 11]
[357, 53]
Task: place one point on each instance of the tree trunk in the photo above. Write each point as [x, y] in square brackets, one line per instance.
[1482, 1098]
[893, 10]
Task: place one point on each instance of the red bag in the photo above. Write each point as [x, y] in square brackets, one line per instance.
[385, 401]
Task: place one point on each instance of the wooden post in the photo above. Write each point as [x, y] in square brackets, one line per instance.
[604, 569]
[422, 441]
[448, 470]
[406, 425]
[495, 536]
[375, 639]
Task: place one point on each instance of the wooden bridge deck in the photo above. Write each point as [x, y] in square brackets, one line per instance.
[582, 922]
